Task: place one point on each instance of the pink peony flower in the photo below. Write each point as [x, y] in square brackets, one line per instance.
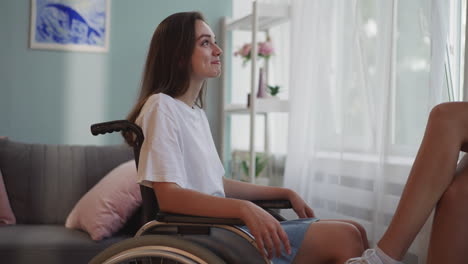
[265, 49]
[245, 51]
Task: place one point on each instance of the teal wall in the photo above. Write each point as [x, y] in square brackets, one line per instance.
[53, 96]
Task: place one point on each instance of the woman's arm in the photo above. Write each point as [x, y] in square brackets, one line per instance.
[267, 231]
[248, 191]
[174, 199]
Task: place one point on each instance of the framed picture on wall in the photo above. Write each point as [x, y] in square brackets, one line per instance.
[70, 25]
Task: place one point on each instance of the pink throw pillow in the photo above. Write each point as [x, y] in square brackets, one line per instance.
[6, 214]
[105, 208]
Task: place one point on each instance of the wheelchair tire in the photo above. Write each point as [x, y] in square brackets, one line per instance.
[159, 249]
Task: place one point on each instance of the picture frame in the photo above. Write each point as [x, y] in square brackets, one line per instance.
[70, 25]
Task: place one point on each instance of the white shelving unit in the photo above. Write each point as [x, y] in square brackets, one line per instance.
[263, 17]
[267, 15]
[264, 106]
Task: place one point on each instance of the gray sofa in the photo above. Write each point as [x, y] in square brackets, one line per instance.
[44, 182]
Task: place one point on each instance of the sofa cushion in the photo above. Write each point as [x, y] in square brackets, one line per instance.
[6, 215]
[44, 182]
[27, 244]
[105, 208]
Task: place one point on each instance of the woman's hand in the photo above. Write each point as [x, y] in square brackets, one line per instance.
[299, 206]
[266, 229]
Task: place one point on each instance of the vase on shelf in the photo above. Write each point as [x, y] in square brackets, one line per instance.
[262, 85]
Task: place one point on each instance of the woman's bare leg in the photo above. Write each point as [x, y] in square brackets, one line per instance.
[449, 237]
[430, 176]
[362, 231]
[330, 242]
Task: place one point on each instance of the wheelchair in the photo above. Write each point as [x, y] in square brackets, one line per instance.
[174, 238]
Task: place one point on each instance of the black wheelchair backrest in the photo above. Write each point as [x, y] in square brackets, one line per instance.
[150, 204]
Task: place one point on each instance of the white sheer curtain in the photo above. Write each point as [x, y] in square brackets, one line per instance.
[362, 83]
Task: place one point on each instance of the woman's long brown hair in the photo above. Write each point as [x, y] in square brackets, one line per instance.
[168, 63]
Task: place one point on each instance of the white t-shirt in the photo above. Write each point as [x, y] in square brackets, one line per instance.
[178, 146]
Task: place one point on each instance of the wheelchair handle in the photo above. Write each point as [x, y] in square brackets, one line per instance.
[150, 204]
[117, 126]
[112, 126]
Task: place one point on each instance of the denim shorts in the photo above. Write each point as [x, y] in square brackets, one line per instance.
[295, 229]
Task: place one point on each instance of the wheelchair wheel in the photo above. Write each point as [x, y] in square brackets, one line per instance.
[156, 249]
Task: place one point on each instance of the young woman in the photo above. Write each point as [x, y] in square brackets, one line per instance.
[435, 181]
[179, 161]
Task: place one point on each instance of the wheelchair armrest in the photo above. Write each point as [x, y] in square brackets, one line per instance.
[190, 219]
[271, 207]
[273, 204]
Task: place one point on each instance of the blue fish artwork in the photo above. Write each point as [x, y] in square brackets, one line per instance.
[75, 22]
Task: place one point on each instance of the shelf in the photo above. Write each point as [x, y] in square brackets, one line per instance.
[263, 105]
[269, 15]
[262, 18]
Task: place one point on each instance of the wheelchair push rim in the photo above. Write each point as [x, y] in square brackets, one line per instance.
[168, 253]
[156, 249]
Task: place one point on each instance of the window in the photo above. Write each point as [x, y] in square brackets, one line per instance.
[408, 42]
[352, 103]
[412, 97]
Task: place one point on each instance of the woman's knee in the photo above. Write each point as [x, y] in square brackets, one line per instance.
[353, 232]
[348, 238]
[449, 112]
[335, 240]
[440, 114]
[359, 227]
[457, 192]
[362, 231]
[349, 243]
[449, 120]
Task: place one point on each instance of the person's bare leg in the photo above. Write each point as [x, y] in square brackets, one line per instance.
[362, 231]
[329, 242]
[430, 176]
[449, 237]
